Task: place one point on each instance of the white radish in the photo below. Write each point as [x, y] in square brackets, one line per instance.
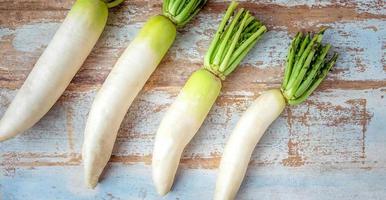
[301, 78]
[237, 34]
[123, 84]
[125, 81]
[58, 64]
[180, 124]
[238, 150]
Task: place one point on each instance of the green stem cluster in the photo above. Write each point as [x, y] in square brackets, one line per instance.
[237, 34]
[307, 66]
[181, 12]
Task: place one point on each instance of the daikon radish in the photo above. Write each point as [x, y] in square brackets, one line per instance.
[306, 67]
[126, 79]
[58, 64]
[236, 35]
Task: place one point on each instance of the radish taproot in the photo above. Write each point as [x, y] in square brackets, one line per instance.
[56, 67]
[125, 81]
[237, 34]
[307, 66]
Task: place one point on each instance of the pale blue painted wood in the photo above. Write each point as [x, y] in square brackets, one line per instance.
[134, 182]
[333, 176]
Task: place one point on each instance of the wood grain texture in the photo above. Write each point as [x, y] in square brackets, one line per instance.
[330, 147]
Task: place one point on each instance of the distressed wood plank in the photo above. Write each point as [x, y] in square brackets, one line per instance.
[346, 118]
[21, 46]
[330, 147]
[134, 182]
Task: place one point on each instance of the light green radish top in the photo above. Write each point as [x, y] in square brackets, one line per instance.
[201, 89]
[237, 34]
[307, 66]
[160, 31]
[95, 10]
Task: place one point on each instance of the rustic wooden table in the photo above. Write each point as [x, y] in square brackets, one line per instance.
[331, 147]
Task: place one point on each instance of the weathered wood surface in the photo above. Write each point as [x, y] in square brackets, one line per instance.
[331, 147]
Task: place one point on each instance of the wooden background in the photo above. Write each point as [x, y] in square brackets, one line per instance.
[333, 146]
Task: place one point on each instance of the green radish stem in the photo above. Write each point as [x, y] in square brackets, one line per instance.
[314, 83]
[126, 80]
[310, 61]
[181, 12]
[55, 68]
[237, 34]
[307, 66]
[312, 73]
[291, 58]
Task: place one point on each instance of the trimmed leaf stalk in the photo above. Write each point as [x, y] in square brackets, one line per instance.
[126, 79]
[307, 66]
[237, 34]
[58, 64]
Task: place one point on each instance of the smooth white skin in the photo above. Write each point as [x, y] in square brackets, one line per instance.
[123, 84]
[238, 150]
[176, 130]
[180, 124]
[51, 75]
[126, 79]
